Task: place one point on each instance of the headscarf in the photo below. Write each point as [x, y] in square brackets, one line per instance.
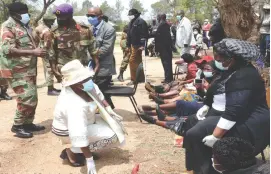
[238, 49]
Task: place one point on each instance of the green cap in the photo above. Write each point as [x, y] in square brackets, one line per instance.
[49, 17]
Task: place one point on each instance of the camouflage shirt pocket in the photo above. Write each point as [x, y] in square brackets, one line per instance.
[24, 41]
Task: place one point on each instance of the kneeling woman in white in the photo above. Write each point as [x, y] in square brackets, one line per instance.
[74, 116]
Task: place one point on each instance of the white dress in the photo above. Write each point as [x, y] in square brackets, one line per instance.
[75, 120]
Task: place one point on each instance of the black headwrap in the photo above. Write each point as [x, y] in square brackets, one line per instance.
[17, 7]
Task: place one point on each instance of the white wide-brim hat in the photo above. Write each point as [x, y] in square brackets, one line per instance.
[74, 72]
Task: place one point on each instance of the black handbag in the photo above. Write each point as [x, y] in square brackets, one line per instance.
[179, 126]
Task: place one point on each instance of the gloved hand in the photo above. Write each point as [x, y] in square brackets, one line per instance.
[210, 140]
[202, 112]
[91, 166]
[111, 112]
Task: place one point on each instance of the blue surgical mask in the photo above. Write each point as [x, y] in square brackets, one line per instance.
[88, 86]
[179, 17]
[208, 74]
[25, 18]
[220, 66]
[94, 21]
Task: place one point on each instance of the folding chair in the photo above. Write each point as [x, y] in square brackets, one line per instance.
[125, 91]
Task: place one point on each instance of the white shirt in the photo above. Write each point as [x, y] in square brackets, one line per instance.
[219, 102]
[72, 116]
[184, 33]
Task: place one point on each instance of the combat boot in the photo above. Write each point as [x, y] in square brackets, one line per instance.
[120, 77]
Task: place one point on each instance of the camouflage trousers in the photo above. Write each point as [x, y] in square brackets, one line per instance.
[3, 83]
[48, 73]
[134, 61]
[125, 60]
[27, 100]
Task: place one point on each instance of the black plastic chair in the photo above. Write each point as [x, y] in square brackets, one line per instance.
[125, 91]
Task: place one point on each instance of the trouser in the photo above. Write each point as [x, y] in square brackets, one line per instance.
[135, 60]
[48, 73]
[198, 155]
[185, 50]
[27, 100]
[103, 83]
[166, 58]
[125, 60]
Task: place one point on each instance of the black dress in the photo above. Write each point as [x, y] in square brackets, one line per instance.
[246, 105]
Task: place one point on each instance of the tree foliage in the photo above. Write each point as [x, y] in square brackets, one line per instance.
[137, 5]
[119, 9]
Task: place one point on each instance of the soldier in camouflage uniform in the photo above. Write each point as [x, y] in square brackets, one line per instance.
[44, 37]
[18, 64]
[71, 40]
[126, 53]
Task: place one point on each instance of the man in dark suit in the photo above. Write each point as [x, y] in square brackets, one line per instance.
[105, 36]
[163, 45]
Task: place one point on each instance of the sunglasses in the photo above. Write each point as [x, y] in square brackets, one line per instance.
[91, 15]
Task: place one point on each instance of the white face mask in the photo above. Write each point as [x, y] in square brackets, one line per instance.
[213, 164]
[195, 32]
[131, 17]
[25, 18]
[220, 66]
[208, 74]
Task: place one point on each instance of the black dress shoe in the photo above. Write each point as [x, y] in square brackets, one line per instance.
[20, 131]
[147, 118]
[5, 96]
[78, 163]
[33, 127]
[161, 116]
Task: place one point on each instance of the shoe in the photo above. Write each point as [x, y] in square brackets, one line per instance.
[53, 92]
[5, 96]
[120, 77]
[78, 163]
[130, 83]
[157, 99]
[149, 88]
[161, 116]
[81, 156]
[20, 131]
[33, 127]
[147, 118]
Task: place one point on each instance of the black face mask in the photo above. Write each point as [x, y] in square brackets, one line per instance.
[63, 22]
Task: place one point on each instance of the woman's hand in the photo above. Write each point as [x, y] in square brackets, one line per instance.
[202, 112]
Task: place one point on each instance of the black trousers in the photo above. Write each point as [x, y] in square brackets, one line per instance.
[198, 156]
[103, 83]
[166, 59]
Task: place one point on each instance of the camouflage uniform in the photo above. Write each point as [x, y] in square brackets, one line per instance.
[73, 43]
[44, 36]
[126, 53]
[21, 71]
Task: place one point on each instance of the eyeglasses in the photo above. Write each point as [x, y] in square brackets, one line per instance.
[91, 15]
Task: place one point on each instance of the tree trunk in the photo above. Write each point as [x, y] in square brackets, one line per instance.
[36, 20]
[239, 20]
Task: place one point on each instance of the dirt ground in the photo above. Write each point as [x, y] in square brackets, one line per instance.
[147, 145]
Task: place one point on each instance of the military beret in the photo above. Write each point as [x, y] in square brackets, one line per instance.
[49, 17]
[133, 12]
[17, 7]
[63, 10]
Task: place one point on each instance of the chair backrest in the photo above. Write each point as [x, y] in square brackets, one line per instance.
[139, 73]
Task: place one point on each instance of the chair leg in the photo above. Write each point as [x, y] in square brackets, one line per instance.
[175, 74]
[134, 100]
[263, 156]
[134, 105]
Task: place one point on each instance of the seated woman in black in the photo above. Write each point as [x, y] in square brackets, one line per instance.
[246, 114]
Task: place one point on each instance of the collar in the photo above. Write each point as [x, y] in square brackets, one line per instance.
[99, 26]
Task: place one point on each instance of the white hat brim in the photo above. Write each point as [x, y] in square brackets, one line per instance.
[80, 76]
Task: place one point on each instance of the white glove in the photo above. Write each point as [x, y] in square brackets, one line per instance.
[210, 140]
[198, 74]
[202, 112]
[111, 112]
[91, 166]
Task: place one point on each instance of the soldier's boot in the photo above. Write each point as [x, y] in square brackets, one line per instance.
[52, 91]
[3, 94]
[21, 132]
[120, 77]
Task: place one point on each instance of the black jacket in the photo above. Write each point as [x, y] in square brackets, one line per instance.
[137, 32]
[163, 37]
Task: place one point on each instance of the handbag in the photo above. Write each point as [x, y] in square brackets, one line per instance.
[179, 126]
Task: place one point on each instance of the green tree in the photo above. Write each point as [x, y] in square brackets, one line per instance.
[160, 7]
[119, 9]
[137, 5]
[85, 6]
[109, 11]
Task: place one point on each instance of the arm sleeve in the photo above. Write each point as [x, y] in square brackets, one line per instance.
[99, 93]
[209, 99]
[108, 43]
[77, 126]
[188, 31]
[8, 40]
[93, 51]
[144, 30]
[236, 104]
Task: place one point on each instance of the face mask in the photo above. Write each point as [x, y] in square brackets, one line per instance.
[131, 17]
[25, 18]
[208, 74]
[88, 86]
[213, 164]
[220, 66]
[196, 32]
[93, 21]
[179, 17]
